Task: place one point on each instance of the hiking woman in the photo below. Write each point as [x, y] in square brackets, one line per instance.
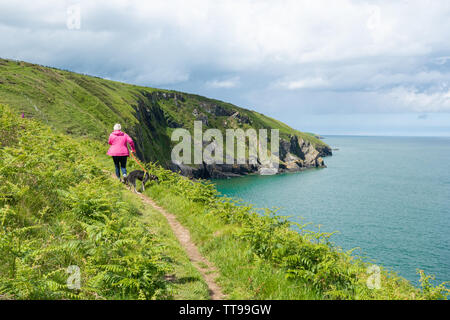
[119, 149]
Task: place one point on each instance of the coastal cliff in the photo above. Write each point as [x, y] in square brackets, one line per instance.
[295, 153]
[87, 106]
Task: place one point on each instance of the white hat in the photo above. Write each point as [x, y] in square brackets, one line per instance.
[117, 126]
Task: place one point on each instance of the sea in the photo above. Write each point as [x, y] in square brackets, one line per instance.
[387, 197]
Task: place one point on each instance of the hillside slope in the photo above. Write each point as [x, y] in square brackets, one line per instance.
[88, 106]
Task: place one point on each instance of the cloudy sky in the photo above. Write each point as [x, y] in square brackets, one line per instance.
[332, 67]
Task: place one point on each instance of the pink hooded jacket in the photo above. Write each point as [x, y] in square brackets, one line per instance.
[118, 141]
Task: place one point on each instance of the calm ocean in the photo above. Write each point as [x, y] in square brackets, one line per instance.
[388, 196]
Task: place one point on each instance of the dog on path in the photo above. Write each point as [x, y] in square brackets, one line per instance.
[130, 180]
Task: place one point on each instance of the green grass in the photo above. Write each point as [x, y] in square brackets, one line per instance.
[186, 282]
[241, 275]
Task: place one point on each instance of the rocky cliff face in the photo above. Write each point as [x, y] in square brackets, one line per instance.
[296, 154]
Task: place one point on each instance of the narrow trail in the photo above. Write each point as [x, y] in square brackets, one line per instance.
[209, 273]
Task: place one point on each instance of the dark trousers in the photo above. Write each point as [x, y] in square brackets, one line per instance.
[121, 163]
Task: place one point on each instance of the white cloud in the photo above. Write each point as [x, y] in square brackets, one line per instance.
[308, 83]
[227, 83]
[358, 55]
[441, 60]
[411, 99]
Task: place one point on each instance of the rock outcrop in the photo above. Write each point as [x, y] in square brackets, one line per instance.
[240, 118]
[201, 117]
[161, 95]
[216, 110]
[295, 154]
[213, 171]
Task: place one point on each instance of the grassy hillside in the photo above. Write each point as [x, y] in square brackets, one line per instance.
[88, 106]
[59, 207]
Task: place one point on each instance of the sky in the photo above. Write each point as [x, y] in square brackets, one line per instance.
[376, 67]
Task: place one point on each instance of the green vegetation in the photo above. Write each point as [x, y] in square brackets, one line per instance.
[185, 282]
[59, 207]
[88, 106]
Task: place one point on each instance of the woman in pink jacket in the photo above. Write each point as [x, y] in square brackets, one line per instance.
[119, 149]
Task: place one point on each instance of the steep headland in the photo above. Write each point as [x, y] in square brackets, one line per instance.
[83, 105]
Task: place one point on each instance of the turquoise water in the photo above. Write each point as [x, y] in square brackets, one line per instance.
[388, 196]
